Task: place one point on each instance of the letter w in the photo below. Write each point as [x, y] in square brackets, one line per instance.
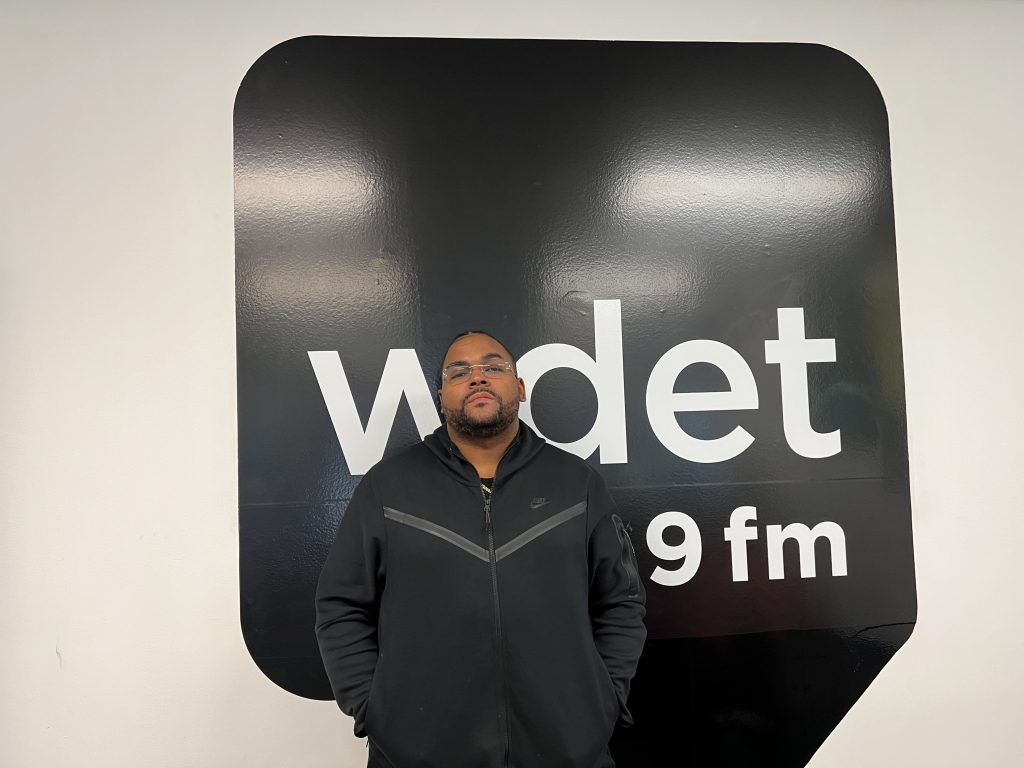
[402, 376]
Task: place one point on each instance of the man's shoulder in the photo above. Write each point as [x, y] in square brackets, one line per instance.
[404, 460]
[562, 461]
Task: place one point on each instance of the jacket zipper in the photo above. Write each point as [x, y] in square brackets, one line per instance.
[629, 563]
[488, 524]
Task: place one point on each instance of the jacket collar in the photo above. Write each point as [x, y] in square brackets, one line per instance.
[524, 446]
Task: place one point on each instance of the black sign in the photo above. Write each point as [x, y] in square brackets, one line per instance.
[689, 247]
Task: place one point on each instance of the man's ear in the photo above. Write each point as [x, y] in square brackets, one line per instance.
[522, 391]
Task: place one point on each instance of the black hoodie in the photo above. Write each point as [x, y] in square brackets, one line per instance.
[462, 632]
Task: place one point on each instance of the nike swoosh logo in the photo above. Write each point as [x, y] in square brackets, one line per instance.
[538, 503]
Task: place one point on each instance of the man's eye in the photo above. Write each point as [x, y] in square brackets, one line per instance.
[458, 373]
[493, 370]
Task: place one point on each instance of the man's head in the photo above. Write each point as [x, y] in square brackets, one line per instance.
[479, 390]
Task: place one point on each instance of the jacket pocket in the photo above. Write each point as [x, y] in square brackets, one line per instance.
[628, 556]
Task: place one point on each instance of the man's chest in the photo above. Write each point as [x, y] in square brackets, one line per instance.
[494, 520]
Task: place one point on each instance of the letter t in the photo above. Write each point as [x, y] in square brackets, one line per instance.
[792, 352]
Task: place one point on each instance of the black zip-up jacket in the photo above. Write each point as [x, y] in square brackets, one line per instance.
[466, 632]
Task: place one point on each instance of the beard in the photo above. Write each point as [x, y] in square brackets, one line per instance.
[462, 420]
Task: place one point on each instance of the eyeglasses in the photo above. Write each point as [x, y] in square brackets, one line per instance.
[455, 373]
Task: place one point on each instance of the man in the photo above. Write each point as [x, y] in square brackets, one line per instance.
[481, 605]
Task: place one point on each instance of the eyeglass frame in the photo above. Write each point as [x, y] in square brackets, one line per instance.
[505, 367]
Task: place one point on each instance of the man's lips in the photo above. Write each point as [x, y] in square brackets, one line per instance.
[479, 396]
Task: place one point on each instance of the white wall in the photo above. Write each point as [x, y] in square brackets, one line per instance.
[119, 633]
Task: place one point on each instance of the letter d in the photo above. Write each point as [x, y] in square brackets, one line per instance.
[604, 371]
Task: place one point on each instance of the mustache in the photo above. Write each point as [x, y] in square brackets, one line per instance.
[481, 390]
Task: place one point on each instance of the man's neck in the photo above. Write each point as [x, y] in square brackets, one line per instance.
[484, 453]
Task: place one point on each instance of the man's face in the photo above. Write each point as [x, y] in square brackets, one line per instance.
[480, 404]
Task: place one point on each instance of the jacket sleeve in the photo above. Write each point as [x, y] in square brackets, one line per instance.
[348, 601]
[617, 596]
